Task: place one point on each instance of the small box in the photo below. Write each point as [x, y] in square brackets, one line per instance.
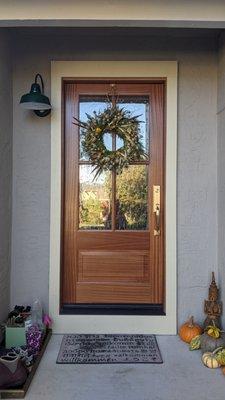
[15, 337]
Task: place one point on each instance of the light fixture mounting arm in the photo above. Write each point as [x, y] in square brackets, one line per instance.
[40, 113]
[42, 83]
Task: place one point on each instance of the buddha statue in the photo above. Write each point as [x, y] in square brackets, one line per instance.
[212, 306]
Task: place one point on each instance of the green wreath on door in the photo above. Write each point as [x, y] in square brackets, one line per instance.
[112, 120]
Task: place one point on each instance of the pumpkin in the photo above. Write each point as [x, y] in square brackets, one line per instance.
[209, 343]
[195, 343]
[189, 330]
[209, 359]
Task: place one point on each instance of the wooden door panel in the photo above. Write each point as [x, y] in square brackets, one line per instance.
[114, 294]
[113, 267]
[118, 240]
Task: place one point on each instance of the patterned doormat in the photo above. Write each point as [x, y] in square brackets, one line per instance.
[109, 349]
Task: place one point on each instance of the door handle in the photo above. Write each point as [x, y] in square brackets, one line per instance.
[156, 209]
[157, 220]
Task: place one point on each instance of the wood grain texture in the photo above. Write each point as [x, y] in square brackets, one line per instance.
[128, 266]
[112, 266]
[70, 195]
[121, 240]
[157, 169]
[113, 294]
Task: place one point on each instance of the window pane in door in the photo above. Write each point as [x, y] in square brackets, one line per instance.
[138, 106]
[87, 106]
[132, 198]
[94, 199]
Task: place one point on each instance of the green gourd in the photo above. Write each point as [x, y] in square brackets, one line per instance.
[220, 356]
[195, 343]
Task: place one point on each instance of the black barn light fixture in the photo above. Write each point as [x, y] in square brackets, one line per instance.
[36, 100]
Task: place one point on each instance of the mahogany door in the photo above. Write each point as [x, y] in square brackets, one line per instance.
[112, 228]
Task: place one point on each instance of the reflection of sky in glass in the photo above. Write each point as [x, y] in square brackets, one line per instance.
[88, 107]
[107, 139]
[136, 109]
[87, 176]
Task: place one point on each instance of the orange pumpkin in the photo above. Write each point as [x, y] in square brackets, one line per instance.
[189, 330]
[223, 370]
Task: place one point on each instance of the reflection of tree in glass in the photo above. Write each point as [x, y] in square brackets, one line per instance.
[131, 203]
[94, 203]
[90, 212]
[132, 194]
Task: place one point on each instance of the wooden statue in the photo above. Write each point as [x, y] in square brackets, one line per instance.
[212, 306]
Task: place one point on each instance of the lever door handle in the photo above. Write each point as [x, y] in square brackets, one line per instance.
[157, 219]
[156, 209]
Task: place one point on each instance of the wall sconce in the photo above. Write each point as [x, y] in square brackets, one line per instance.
[36, 100]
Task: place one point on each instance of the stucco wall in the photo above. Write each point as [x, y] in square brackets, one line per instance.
[5, 171]
[197, 151]
[106, 10]
[221, 165]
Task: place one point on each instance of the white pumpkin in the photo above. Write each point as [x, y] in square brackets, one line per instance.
[209, 360]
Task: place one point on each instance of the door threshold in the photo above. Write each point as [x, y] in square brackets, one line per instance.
[113, 309]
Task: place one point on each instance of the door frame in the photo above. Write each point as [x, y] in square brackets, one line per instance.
[157, 324]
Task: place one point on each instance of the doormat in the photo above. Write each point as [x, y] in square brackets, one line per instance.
[109, 349]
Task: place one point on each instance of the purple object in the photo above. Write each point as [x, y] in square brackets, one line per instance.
[47, 320]
[34, 339]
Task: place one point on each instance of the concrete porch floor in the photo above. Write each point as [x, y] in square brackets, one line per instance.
[181, 376]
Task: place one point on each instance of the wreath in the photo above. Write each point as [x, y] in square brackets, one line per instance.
[112, 120]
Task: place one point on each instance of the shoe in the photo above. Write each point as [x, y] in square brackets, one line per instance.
[22, 353]
[12, 372]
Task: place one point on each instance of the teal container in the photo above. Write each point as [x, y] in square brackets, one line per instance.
[15, 337]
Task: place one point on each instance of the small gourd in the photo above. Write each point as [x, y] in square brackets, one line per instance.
[195, 343]
[209, 359]
[220, 356]
[189, 330]
[213, 331]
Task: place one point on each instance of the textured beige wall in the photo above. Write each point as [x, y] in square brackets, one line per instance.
[197, 155]
[164, 10]
[5, 172]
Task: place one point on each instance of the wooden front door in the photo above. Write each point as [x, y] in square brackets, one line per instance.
[113, 226]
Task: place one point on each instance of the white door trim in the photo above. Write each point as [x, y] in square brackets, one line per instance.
[114, 323]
